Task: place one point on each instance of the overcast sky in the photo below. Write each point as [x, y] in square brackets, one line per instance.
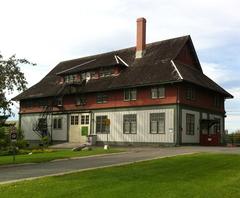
[49, 31]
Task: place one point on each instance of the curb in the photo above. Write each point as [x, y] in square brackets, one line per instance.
[94, 168]
[63, 159]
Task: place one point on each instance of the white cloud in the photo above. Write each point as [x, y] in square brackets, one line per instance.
[219, 73]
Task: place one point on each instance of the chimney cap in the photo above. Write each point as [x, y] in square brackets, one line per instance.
[141, 19]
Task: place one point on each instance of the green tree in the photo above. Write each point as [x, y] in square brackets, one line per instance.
[11, 79]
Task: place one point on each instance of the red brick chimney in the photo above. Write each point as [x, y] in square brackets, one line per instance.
[141, 37]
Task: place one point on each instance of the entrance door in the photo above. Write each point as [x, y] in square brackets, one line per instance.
[79, 127]
[210, 133]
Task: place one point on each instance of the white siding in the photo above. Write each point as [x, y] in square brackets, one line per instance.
[204, 116]
[143, 127]
[190, 138]
[60, 134]
[28, 121]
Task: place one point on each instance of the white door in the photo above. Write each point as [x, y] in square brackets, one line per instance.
[79, 127]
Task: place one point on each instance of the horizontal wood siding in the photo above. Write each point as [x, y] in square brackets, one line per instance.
[143, 127]
[115, 99]
[204, 98]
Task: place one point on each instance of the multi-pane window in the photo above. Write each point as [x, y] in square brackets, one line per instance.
[59, 102]
[81, 100]
[42, 102]
[157, 123]
[190, 93]
[130, 123]
[102, 124]
[106, 72]
[190, 124]
[216, 126]
[217, 101]
[158, 92]
[101, 98]
[74, 120]
[57, 123]
[70, 78]
[94, 74]
[29, 103]
[130, 94]
[84, 119]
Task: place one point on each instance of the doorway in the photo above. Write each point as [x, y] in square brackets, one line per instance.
[79, 127]
[210, 132]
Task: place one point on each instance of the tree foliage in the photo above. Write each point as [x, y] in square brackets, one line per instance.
[11, 79]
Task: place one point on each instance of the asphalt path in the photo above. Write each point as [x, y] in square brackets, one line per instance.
[10, 173]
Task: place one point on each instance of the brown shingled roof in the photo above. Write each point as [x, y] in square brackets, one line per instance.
[154, 67]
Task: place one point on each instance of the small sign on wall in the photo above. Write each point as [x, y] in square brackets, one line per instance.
[170, 130]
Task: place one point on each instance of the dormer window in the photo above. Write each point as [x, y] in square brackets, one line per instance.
[94, 75]
[83, 76]
[70, 78]
[106, 72]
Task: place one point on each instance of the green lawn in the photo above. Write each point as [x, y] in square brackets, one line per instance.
[198, 175]
[49, 156]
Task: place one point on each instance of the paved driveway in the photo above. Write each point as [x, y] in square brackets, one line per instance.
[15, 173]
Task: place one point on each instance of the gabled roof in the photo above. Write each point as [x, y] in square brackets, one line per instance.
[155, 67]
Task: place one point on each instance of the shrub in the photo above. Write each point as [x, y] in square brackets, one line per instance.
[21, 143]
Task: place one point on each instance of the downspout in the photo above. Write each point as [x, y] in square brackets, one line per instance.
[51, 126]
[177, 140]
[19, 121]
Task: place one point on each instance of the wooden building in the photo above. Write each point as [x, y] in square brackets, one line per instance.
[152, 93]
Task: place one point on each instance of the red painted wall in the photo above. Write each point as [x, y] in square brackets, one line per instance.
[204, 99]
[186, 56]
[115, 99]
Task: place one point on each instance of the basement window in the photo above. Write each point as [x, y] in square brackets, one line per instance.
[158, 92]
[130, 94]
[57, 123]
[157, 123]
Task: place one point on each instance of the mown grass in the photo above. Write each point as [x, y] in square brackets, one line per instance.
[198, 175]
[56, 154]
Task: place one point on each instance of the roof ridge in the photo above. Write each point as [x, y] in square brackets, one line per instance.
[124, 49]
